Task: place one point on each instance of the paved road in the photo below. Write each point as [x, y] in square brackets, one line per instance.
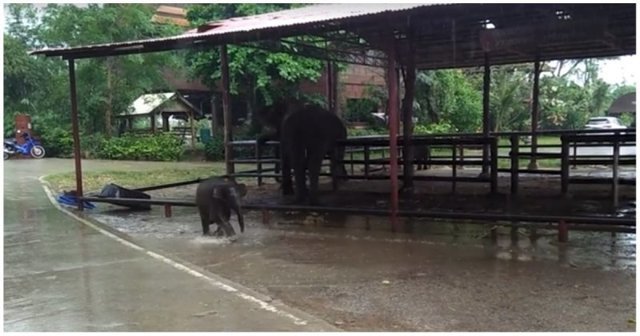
[61, 274]
[582, 151]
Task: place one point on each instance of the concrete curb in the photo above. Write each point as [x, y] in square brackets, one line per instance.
[263, 302]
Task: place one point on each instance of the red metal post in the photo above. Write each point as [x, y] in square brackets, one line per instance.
[226, 109]
[266, 217]
[167, 210]
[330, 87]
[75, 129]
[563, 232]
[393, 131]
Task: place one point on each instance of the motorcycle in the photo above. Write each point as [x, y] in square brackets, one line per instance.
[30, 147]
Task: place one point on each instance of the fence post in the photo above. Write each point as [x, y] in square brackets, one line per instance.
[616, 160]
[259, 162]
[366, 161]
[515, 163]
[564, 165]
[454, 169]
[494, 165]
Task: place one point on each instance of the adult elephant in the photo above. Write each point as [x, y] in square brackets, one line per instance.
[307, 133]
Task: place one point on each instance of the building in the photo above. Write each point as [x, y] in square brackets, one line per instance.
[353, 81]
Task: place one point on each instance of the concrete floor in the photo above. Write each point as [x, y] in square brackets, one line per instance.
[353, 279]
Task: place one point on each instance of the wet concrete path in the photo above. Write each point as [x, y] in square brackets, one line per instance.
[62, 275]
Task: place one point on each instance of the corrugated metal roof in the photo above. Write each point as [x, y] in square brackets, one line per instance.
[292, 17]
[286, 18]
[146, 103]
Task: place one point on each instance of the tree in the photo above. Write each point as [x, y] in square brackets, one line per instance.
[258, 75]
[510, 93]
[448, 96]
[108, 84]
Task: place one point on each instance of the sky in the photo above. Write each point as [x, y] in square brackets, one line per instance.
[622, 70]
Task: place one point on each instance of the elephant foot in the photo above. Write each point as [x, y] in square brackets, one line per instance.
[315, 203]
[287, 190]
[407, 190]
[218, 232]
[300, 200]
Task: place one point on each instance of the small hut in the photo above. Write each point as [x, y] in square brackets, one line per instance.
[169, 110]
[623, 104]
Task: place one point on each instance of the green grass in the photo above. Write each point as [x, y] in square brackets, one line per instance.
[94, 181]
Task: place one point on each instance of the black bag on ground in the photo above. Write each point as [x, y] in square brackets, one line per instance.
[112, 190]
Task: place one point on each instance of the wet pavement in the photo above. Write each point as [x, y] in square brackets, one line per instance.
[375, 281]
[63, 275]
[359, 277]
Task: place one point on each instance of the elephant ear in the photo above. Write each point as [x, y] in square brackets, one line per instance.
[241, 188]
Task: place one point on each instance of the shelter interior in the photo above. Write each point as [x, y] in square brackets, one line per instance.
[402, 38]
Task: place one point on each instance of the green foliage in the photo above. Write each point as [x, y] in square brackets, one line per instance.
[360, 110]
[628, 119]
[39, 86]
[92, 145]
[158, 147]
[58, 142]
[258, 75]
[448, 95]
[509, 97]
[355, 132]
[214, 149]
[439, 128]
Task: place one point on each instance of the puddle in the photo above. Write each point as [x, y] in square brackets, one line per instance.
[600, 250]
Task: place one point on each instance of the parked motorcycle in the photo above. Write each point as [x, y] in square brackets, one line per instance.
[30, 147]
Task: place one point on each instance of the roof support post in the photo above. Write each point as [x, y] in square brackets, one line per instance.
[192, 118]
[153, 122]
[533, 164]
[486, 85]
[75, 130]
[392, 74]
[226, 109]
[409, 77]
[331, 87]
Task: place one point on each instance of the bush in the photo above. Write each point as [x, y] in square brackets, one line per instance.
[158, 147]
[57, 142]
[91, 145]
[214, 149]
[360, 110]
[353, 132]
[442, 127]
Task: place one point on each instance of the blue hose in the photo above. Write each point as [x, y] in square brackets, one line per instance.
[72, 201]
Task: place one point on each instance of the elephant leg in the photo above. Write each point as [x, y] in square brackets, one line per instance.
[204, 219]
[233, 201]
[285, 159]
[276, 167]
[334, 170]
[300, 167]
[223, 222]
[314, 165]
[338, 171]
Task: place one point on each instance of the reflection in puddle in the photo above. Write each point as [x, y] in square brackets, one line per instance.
[600, 250]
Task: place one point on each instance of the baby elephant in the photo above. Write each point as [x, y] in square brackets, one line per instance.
[215, 198]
